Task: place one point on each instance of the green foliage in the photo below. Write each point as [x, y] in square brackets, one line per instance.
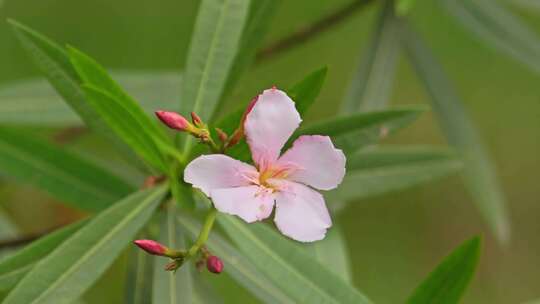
[499, 28]
[238, 265]
[170, 287]
[479, 172]
[386, 169]
[138, 286]
[288, 266]
[65, 175]
[214, 46]
[354, 131]
[33, 102]
[371, 85]
[15, 267]
[447, 283]
[71, 268]
[331, 252]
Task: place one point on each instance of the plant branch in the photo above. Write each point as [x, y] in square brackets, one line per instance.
[312, 30]
[203, 235]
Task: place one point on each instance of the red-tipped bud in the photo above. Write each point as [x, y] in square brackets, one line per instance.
[174, 121]
[196, 119]
[222, 135]
[239, 132]
[152, 247]
[214, 264]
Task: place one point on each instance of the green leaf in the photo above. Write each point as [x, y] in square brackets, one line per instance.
[385, 169]
[95, 75]
[479, 172]
[55, 64]
[203, 293]
[14, 267]
[237, 265]
[34, 102]
[69, 270]
[170, 287]
[138, 286]
[306, 91]
[261, 13]
[499, 28]
[403, 7]
[332, 253]
[214, 47]
[447, 283]
[372, 84]
[126, 127]
[352, 132]
[64, 175]
[288, 266]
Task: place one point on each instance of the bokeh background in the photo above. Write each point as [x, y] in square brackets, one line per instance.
[394, 240]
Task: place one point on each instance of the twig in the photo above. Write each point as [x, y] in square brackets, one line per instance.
[304, 34]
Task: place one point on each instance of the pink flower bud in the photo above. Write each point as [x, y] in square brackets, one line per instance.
[214, 264]
[152, 247]
[196, 119]
[174, 120]
[222, 135]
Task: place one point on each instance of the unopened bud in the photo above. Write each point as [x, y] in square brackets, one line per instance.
[174, 121]
[152, 247]
[222, 135]
[214, 264]
[239, 132]
[196, 120]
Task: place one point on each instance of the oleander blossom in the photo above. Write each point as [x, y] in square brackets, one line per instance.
[288, 181]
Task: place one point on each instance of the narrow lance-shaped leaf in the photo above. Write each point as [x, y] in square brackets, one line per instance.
[65, 175]
[299, 275]
[447, 283]
[237, 265]
[16, 266]
[371, 85]
[138, 285]
[69, 270]
[126, 126]
[387, 169]
[479, 172]
[332, 253]
[33, 102]
[501, 29]
[170, 287]
[54, 63]
[214, 46]
[355, 131]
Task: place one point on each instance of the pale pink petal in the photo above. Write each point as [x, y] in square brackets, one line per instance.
[301, 213]
[269, 125]
[215, 171]
[251, 203]
[315, 162]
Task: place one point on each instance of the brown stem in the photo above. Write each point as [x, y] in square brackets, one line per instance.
[304, 34]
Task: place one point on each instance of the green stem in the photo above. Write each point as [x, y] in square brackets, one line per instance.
[203, 235]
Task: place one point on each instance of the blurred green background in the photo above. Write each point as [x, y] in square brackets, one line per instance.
[395, 239]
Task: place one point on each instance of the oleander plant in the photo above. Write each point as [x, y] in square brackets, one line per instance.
[189, 192]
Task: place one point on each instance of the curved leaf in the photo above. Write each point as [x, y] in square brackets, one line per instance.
[64, 274]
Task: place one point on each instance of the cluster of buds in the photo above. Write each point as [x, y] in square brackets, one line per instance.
[213, 263]
[178, 122]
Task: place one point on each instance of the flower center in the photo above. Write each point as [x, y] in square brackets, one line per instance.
[270, 173]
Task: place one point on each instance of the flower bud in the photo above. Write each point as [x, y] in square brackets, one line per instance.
[174, 121]
[222, 135]
[239, 132]
[214, 264]
[196, 120]
[152, 247]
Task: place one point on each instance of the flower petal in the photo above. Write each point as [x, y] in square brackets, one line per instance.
[251, 203]
[269, 125]
[301, 213]
[216, 171]
[315, 162]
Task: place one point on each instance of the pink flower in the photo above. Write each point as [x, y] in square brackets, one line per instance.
[287, 181]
